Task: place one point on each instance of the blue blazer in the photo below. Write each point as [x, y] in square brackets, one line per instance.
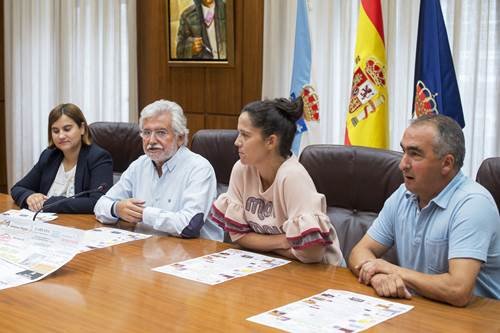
[94, 167]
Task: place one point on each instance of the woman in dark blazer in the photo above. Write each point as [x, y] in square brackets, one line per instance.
[71, 164]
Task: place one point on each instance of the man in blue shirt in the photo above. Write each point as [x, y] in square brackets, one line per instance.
[446, 227]
[169, 189]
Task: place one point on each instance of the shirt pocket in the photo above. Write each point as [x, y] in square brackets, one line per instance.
[437, 255]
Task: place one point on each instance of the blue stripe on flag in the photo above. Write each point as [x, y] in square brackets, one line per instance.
[301, 74]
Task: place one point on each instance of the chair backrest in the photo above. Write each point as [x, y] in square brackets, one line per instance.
[217, 146]
[121, 140]
[356, 182]
[488, 175]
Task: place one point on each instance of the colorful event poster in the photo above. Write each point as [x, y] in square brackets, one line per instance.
[222, 266]
[331, 311]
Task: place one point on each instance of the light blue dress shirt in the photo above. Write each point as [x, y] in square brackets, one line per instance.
[462, 221]
[187, 187]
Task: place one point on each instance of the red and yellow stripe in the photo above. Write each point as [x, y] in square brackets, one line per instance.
[367, 117]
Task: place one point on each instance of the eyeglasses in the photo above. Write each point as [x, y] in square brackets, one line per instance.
[160, 134]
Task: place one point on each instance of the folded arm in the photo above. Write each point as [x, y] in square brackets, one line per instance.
[454, 287]
[196, 197]
[280, 245]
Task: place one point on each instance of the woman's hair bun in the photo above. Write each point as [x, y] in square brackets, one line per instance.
[292, 110]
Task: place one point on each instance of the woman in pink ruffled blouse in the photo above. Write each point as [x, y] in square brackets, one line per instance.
[272, 203]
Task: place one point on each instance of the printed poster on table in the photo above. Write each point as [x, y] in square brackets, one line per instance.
[104, 237]
[28, 214]
[222, 266]
[31, 250]
[332, 311]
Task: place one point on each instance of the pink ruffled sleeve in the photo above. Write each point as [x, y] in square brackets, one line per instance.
[308, 229]
[228, 214]
[311, 230]
[227, 211]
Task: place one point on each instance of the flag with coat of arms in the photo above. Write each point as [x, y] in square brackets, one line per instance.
[436, 87]
[367, 117]
[301, 86]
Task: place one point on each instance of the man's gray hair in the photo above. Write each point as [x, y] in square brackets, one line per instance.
[450, 138]
[179, 122]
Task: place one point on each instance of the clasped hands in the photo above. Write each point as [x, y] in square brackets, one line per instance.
[383, 277]
[130, 210]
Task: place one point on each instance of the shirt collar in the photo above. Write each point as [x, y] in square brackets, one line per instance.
[443, 197]
[170, 164]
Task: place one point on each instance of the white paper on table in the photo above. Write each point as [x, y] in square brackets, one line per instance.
[31, 250]
[331, 311]
[103, 237]
[28, 214]
[221, 266]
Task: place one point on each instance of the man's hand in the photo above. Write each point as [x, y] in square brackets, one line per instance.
[197, 45]
[130, 210]
[368, 268]
[390, 285]
[35, 201]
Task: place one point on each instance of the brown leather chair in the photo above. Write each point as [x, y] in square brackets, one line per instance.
[356, 182]
[217, 146]
[121, 140]
[488, 175]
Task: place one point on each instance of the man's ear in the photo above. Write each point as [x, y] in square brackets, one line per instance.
[181, 139]
[448, 164]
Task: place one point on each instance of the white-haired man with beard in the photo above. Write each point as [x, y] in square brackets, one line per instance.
[169, 189]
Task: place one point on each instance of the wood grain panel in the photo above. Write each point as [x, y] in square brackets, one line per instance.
[225, 122]
[204, 90]
[223, 91]
[195, 122]
[151, 51]
[187, 88]
[252, 48]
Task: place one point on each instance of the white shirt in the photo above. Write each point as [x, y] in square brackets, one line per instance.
[186, 187]
[64, 183]
[212, 37]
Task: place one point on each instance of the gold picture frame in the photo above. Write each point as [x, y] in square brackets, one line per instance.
[200, 32]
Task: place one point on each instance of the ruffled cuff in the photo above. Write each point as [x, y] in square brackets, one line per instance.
[228, 214]
[305, 231]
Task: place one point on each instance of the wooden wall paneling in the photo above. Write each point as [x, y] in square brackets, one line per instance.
[223, 91]
[195, 122]
[224, 85]
[151, 51]
[187, 87]
[227, 122]
[252, 46]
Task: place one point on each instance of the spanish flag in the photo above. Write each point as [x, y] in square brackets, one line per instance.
[367, 117]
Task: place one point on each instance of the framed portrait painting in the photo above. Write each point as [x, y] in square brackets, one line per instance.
[200, 32]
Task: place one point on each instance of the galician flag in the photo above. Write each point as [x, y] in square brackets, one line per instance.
[367, 117]
[301, 76]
